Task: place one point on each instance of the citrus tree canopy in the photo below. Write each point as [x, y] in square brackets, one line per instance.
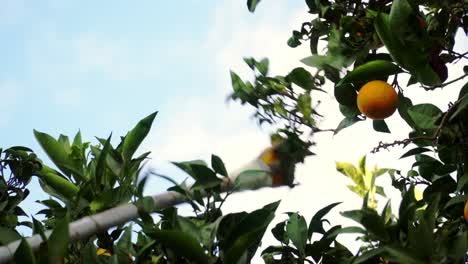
[375, 51]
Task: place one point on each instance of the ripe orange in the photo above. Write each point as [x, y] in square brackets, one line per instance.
[466, 211]
[377, 100]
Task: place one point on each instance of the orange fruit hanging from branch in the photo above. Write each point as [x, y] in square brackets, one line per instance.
[377, 100]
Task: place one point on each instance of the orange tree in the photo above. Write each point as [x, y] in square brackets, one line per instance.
[372, 46]
[368, 42]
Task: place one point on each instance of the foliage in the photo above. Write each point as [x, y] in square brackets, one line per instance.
[376, 40]
[365, 41]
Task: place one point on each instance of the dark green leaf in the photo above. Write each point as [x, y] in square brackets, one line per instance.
[8, 235]
[293, 42]
[101, 163]
[380, 126]
[462, 106]
[345, 94]
[24, 253]
[248, 232]
[315, 224]
[368, 255]
[414, 151]
[252, 4]
[218, 165]
[38, 228]
[457, 199]
[463, 91]
[402, 256]
[279, 232]
[204, 177]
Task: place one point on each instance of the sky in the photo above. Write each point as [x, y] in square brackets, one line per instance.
[99, 67]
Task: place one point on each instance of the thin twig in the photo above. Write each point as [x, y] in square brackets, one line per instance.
[430, 88]
[434, 136]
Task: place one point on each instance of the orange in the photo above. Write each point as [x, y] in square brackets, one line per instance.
[466, 211]
[377, 100]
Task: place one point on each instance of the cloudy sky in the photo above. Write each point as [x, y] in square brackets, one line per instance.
[100, 66]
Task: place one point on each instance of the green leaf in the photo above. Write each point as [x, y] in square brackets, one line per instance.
[58, 241]
[261, 66]
[204, 177]
[145, 205]
[414, 151]
[315, 225]
[347, 230]
[402, 256]
[404, 104]
[463, 91]
[237, 83]
[187, 226]
[380, 126]
[424, 115]
[101, 163]
[77, 139]
[411, 55]
[135, 136]
[218, 165]
[57, 154]
[182, 244]
[252, 4]
[297, 232]
[345, 94]
[321, 61]
[350, 111]
[124, 246]
[371, 70]
[248, 233]
[302, 78]
[24, 253]
[456, 200]
[8, 235]
[293, 42]
[460, 244]
[304, 106]
[38, 228]
[463, 181]
[279, 232]
[372, 222]
[366, 256]
[462, 105]
[346, 122]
